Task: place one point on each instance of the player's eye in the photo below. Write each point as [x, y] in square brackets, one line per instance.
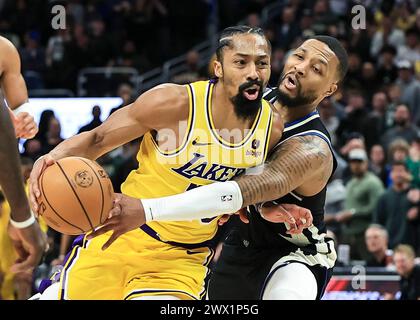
[240, 62]
[317, 70]
[299, 56]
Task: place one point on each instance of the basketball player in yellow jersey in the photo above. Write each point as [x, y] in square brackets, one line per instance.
[194, 135]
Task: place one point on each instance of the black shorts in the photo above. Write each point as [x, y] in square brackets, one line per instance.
[241, 272]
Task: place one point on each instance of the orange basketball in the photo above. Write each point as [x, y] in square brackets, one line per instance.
[76, 195]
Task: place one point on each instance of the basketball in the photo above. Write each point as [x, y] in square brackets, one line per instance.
[76, 195]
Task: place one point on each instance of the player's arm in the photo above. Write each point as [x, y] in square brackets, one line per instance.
[12, 82]
[24, 231]
[156, 109]
[302, 163]
[11, 179]
[14, 90]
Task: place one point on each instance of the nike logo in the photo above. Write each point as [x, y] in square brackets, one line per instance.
[192, 252]
[196, 143]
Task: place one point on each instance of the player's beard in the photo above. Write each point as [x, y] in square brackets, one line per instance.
[244, 108]
[301, 99]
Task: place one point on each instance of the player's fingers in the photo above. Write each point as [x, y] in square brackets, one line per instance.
[100, 231]
[108, 225]
[28, 264]
[223, 219]
[111, 239]
[243, 216]
[33, 190]
[116, 211]
[288, 216]
[21, 252]
[12, 115]
[308, 217]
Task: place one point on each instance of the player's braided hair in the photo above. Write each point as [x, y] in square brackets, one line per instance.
[225, 39]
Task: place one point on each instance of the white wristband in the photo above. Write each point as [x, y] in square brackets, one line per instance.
[26, 107]
[23, 224]
[203, 202]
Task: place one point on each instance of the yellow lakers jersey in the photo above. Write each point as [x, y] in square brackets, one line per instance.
[202, 158]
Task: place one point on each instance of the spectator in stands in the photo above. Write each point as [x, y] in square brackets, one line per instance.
[53, 135]
[413, 162]
[133, 58]
[403, 128]
[387, 70]
[193, 72]
[377, 163]
[369, 81]
[411, 50]
[360, 42]
[288, 29]
[394, 208]
[376, 238]
[323, 17]
[96, 121]
[355, 141]
[362, 193]
[32, 149]
[44, 121]
[334, 204]
[410, 272]
[328, 116]
[394, 95]
[57, 63]
[356, 113]
[387, 34]
[352, 79]
[33, 53]
[277, 64]
[101, 48]
[375, 123]
[125, 92]
[410, 89]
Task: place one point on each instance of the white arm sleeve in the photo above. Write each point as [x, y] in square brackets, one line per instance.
[25, 107]
[202, 202]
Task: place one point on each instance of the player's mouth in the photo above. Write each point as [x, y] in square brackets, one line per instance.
[290, 82]
[252, 92]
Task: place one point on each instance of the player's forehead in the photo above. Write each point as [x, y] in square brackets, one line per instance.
[318, 49]
[249, 44]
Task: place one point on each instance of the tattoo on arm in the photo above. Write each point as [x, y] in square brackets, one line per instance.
[293, 163]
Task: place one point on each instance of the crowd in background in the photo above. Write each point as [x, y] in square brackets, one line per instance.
[372, 203]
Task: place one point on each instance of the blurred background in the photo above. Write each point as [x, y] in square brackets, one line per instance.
[113, 50]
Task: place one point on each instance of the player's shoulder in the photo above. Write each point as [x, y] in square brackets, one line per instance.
[163, 104]
[6, 44]
[169, 95]
[9, 56]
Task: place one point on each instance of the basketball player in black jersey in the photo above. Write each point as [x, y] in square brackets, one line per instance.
[259, 259]
[262, 259]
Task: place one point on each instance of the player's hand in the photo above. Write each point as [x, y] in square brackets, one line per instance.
[39, 166]
[242, 215]
[25, 125]
[127, 214]
[30, 244]
[296, 217]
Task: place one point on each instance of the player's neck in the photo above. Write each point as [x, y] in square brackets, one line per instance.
[295, 113]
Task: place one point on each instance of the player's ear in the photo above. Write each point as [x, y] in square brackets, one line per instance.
[331, 90]
[218, 69]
